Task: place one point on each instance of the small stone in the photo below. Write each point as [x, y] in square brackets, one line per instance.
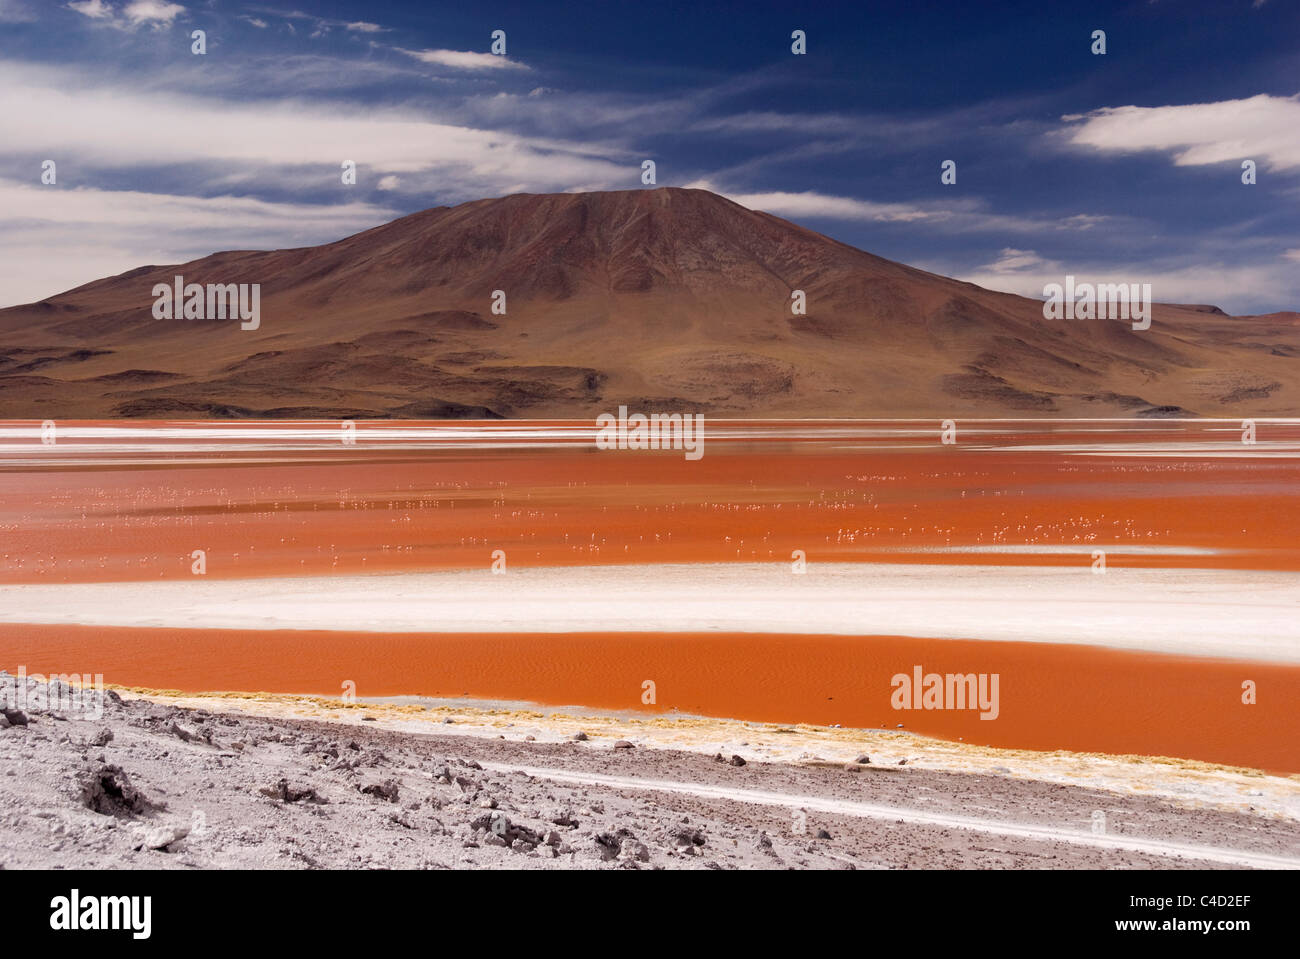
[387, 790]
[608, 846]
[634, 849]
[579, 737]
[160, 837]
[863, 760]
[823, 834]
[623, 744]
[738, 761]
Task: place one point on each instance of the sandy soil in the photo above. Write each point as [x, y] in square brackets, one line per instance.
[265, 782]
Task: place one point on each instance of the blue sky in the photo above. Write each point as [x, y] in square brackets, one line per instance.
[1125, 166]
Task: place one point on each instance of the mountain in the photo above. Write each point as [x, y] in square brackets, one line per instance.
[662, 300]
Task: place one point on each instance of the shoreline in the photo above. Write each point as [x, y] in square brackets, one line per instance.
[796, 743]
[246, 781]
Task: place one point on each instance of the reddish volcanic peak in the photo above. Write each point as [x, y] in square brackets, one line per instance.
[575, 303]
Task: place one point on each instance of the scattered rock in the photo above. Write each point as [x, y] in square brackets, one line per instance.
[500, 831]
[282, 791]
[387, 790]
[160, 837]
[634, 849]
[108, 790]
[16, 717]
[686, 838]
[579, 737]
[738, 761]
[823, 834]
[623, 744]
[863, 760]
[608, 846]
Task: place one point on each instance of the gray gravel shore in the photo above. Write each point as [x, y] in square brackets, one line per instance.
[153, 785]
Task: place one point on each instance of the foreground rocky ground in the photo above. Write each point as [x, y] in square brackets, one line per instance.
[154, 785]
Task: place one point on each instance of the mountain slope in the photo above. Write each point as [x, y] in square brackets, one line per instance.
[659, 299]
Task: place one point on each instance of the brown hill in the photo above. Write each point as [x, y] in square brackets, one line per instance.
[663, 300]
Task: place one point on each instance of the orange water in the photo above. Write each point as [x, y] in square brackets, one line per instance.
[1049, 696]
[110, 510]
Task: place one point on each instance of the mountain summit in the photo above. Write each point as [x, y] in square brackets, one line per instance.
[666, 299]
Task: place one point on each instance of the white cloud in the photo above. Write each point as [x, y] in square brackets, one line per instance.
[60, 114]
[464, 59]
[157, 12]
[1263, 128]
[1237, 288]
[811, 204]
[89, 126]
[1011, 260]
[360, 26]
[963, 216]
[1292, 255]
[95, 9]
[260, 24]
[53, 238]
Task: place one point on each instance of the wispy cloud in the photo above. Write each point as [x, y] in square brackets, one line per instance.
[810, 204]
[154, 13]
[120, 127]
[965, 215]
[95, 9]
[1232, 286]
[99, 233]
[464, 59]
[1263, 128]
[159, 12]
